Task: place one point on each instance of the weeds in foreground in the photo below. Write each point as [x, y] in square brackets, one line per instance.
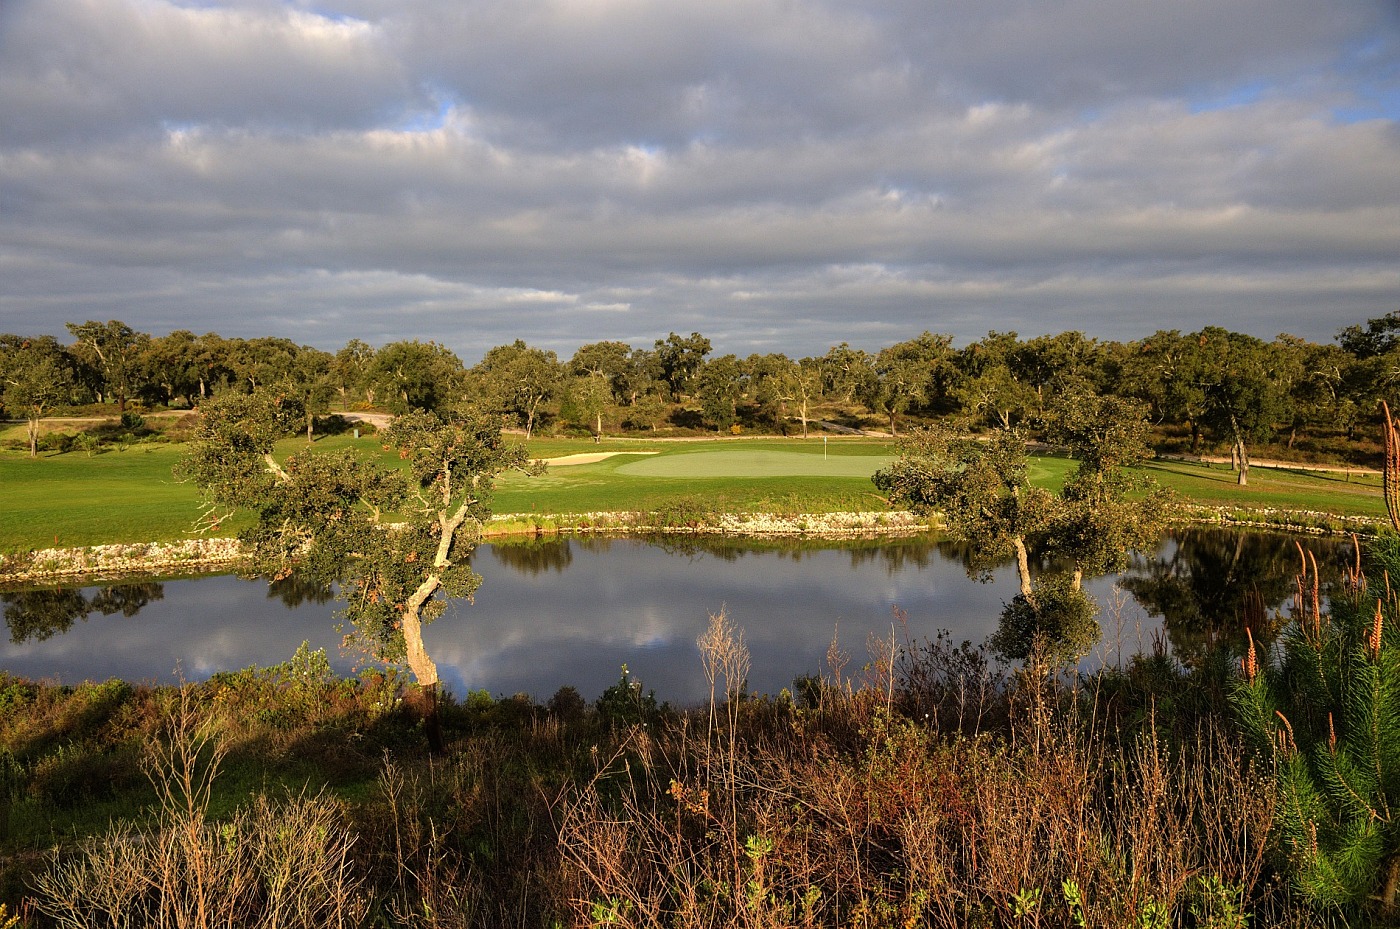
[931, 789]
[273, 864]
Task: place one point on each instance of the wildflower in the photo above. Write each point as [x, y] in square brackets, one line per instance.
[1250, 662]
[1374, 639]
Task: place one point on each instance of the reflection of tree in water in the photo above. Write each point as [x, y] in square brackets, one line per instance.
[977, 564]
[1217, 581]
[41, 613]
[535, 556]
[897, 555]
[294, 590]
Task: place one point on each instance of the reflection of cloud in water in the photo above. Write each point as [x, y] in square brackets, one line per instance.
[201, 626]
[624, 601]
[573, 613]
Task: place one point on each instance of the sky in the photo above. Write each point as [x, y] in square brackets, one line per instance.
[779, 175]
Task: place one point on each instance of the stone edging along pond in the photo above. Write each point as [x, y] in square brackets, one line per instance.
[209, 554]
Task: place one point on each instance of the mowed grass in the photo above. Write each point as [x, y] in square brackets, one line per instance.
[1344, 493]
[131, 496]
[74, 499]
[724, 475]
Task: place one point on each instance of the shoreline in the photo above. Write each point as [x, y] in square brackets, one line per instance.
[216, 555]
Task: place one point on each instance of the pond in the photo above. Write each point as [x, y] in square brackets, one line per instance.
[573, 611]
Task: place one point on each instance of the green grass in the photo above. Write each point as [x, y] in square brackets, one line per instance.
[1340, 493]
[73, 499]
[130, 495]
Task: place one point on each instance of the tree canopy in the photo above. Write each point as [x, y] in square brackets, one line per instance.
[395, 541]
[983, 492]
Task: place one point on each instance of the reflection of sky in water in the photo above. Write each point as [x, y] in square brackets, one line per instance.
[574, 612]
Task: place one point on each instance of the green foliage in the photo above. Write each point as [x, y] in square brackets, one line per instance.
[35, 376]
[516, 380]
[1327, 716]
[1106, 511]
[980, 488]
[327, 516]
[1380, 335]
[679, 359]
[1056, 624]
[1217, 905]
[627, 703]
[414, 375]
[984, 494]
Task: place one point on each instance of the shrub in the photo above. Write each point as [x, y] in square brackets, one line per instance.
[274, 863]
[1059, 628]
[1327, 717]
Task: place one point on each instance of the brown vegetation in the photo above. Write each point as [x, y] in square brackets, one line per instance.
[932, 789]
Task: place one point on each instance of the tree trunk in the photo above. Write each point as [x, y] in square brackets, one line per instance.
[1392, 885]
[425, 673]
[1023, 569]
[33, 437]
[1243, 457]
[1195, 436]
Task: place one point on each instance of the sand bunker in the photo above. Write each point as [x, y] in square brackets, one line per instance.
[587, 458]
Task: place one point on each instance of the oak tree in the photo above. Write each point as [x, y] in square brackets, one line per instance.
[35, 376]
[395, 541]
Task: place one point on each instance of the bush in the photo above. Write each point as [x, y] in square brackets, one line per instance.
[60, 442]
[1058, 629]
[274, 863]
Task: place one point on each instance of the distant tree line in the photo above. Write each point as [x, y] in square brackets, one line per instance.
[1231, 389]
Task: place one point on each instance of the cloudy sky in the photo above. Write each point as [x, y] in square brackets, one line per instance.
[781, 175]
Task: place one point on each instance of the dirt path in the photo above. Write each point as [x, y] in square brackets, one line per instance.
[1277, 465]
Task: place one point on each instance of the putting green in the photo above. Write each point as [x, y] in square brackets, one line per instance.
[755, 463]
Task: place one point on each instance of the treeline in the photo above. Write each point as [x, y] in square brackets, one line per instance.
[1231, 389]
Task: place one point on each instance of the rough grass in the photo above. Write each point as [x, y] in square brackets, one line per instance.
[931, 789]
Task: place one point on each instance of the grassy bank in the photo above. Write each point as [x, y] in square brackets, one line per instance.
[932, 789]
[128, 495]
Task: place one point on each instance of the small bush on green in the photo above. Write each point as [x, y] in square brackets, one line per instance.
[628, 703]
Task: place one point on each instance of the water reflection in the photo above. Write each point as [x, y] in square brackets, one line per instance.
[560, 612]
[293, 591]
[537, 555]
[40, 613]
[1212, 583]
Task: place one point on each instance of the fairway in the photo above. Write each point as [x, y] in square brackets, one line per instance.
[130, 495]
[741, 462]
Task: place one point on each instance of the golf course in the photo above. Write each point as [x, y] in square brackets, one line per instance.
[129, 494]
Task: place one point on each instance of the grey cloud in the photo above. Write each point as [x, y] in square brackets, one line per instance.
[780, 176]
[1091, 53]
[83, 69]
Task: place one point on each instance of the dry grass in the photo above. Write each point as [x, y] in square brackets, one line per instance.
[930, 788]
[274, 864]
[859, 815]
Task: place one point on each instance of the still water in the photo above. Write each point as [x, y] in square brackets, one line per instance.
[574, 611]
